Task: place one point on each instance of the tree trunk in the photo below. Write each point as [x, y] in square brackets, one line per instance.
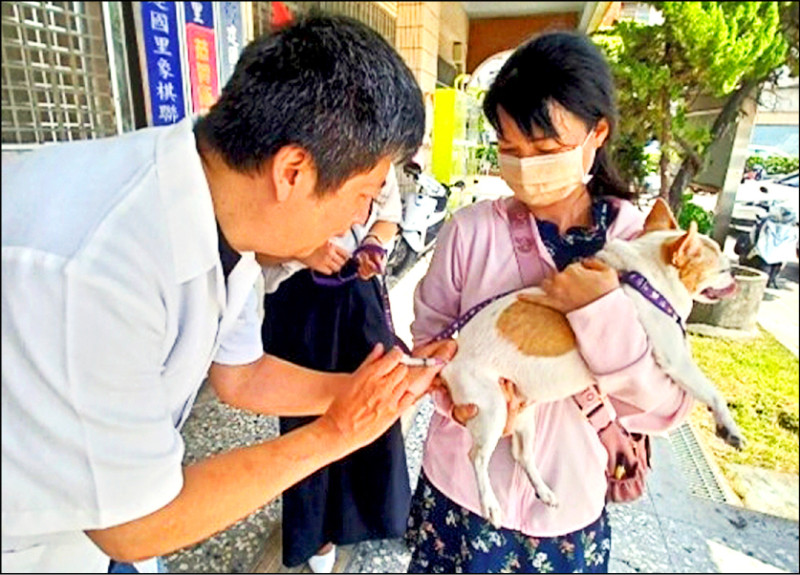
[723, 122]
[666, 120]
[666, 126]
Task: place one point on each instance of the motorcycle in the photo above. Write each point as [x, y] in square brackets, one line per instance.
[424, 213]
[756, 172]
[768, 245]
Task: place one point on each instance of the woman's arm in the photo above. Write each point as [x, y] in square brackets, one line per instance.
[614, 345]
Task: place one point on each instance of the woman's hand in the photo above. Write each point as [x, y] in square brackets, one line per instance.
[462, 413]
[370, 263]
[514, 404]
[578, 285]
[327, 259]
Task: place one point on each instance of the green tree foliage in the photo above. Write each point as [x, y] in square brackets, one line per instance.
[720, 49]
[773, 164]
[693, 212]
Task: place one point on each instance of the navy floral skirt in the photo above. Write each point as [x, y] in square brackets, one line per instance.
[446, 538]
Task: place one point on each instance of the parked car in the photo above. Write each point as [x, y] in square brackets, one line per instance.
[751, 193]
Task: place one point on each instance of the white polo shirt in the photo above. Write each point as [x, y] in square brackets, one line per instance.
[113, 307]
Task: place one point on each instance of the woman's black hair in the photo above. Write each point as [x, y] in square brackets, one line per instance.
[566, 68]
[326, 83]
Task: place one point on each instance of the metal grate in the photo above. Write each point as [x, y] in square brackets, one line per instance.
[700, 478]
[56, 79]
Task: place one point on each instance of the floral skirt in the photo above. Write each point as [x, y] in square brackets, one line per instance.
[446, 538]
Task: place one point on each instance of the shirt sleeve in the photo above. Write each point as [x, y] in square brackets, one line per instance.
[388, 206]
[83, 350]
[437, 297]
[241, 344]
[616, 349]
[275, 275]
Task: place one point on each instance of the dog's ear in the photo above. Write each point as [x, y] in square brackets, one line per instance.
[660, 217]
[686, 247]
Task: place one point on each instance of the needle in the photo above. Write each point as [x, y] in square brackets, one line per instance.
[421, 361]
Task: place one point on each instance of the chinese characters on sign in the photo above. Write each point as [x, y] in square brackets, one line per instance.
[202, 55]
[162, 53]
[233, 38]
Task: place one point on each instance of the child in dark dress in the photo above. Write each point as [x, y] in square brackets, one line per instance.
[318, 319]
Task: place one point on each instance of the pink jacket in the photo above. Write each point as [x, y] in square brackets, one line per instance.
[474, 260]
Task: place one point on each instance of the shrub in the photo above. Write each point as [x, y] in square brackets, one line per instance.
[692, 212]
[773, 164]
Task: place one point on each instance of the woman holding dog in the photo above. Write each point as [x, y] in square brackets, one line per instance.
[552, 105]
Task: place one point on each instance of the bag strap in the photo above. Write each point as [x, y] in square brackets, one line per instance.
[519, 221]
[591, 401]
[595, 407]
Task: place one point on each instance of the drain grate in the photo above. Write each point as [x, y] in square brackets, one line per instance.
[700, 478]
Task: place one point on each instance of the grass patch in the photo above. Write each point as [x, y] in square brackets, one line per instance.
[759, 380]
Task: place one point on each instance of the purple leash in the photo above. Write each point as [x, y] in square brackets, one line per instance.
[461, 321]
[349, 272]
[638, 282]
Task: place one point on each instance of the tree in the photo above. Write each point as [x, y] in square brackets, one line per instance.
[722, 49]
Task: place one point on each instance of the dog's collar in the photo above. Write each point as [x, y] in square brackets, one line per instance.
[638, 282]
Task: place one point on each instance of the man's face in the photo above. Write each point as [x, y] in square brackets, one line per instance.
[334, 214]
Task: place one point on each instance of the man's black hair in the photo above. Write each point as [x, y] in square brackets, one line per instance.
[326, 83]
[567, 68]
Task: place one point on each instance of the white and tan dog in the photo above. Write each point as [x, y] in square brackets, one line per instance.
[534, 346]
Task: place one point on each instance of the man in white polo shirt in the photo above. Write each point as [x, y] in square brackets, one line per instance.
[127, 277]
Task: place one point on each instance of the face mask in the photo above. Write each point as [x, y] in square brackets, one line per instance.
[544, 180]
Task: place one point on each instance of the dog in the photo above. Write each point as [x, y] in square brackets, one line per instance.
[534, 347]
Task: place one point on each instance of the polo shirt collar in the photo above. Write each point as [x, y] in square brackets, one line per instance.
[190, 211]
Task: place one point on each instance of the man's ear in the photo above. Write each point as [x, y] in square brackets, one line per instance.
[660, 217]
[292, 170]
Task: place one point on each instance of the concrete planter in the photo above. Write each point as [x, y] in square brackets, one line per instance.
[740, 311]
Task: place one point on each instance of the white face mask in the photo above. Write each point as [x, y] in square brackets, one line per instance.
[544, 180]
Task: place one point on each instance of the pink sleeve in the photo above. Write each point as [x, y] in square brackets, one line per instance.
[614, 345]
[442, 402]
[437, 301]
[437, 298]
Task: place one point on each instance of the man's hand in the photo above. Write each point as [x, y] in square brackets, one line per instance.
[327, 259]
[578, 285]
[443, 349]
[379, 391]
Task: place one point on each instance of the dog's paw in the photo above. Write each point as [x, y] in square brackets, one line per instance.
[495, 515]
[491, 510]
[731, 435]
[547, 497]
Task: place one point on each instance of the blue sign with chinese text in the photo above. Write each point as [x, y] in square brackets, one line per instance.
[163, 55]
[232, 38]
[200, 13]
